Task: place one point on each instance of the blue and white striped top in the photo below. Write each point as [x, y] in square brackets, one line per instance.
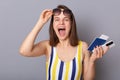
[56, 69]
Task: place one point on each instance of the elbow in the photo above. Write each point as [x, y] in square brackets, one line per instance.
[24, 53]
[89, 78]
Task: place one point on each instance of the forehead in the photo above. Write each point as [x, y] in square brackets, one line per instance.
[61, 16]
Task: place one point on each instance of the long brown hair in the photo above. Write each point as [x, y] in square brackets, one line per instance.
[73, 38]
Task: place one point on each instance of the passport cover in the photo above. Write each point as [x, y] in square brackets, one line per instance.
[96, 42]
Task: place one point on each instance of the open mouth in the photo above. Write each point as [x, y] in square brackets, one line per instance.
[61, 31]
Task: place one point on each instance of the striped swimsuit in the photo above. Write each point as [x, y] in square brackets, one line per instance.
[57, 69]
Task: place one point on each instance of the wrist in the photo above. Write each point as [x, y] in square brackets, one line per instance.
[91, 62]
[40, 22]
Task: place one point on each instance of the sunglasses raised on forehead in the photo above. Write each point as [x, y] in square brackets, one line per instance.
[58, 11]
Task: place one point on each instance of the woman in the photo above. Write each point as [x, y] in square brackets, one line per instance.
[67, 58]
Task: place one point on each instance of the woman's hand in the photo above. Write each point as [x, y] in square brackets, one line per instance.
[45, 16]
[89, 60]
[98, 52]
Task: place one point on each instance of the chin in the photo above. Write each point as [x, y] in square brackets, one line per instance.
[63, 38]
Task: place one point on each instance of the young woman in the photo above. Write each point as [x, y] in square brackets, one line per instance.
[67, 58]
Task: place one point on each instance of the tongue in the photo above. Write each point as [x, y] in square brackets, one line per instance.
[62, 32]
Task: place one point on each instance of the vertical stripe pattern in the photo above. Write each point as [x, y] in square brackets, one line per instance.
[60, 71]
[49, 76]
[54, 68]
[57, 69]
[67, 71]
[79, 62]
[74, 69]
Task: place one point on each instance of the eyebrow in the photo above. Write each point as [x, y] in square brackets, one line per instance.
[58, 17]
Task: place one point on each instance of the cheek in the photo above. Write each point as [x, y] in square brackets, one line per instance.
[54, 27]
[69, 26]
[55, 24]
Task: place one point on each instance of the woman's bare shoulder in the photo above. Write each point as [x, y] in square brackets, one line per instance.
[48, 47]
[46, 44]
[85, 49]
[84, 46]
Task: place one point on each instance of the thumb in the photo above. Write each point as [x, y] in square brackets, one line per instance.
[105, 49]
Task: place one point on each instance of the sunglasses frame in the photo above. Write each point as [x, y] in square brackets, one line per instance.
[57, 11]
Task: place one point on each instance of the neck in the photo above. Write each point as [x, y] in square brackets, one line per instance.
[64, 43]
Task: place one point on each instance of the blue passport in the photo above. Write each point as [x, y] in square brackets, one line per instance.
[96, 42]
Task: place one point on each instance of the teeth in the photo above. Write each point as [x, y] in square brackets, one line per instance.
[61, 29]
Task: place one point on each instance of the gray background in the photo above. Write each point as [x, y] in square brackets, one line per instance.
[93, 17]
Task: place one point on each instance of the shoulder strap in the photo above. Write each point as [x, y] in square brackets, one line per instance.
[80, 50]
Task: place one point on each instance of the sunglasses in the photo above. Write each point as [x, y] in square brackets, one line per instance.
[58, 11]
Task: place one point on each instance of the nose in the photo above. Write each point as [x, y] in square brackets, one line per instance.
[62, 18]
[62, 21]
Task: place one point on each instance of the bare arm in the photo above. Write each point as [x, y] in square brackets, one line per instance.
[89, 61]
[28, 47]
[88, 68]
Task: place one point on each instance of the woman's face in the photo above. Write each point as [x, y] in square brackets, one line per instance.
[62, 26]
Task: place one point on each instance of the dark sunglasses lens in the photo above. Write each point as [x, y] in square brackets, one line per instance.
[67, 12]
[56, 11]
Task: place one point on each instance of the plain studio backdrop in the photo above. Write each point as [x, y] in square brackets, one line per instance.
[93, 18]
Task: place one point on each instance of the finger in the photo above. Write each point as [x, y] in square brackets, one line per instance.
[49, 14]
[101, 51]
[45, 14]
[94, 55]
[46, 11]
[94, 52]
[98, 52]
[105, 49]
